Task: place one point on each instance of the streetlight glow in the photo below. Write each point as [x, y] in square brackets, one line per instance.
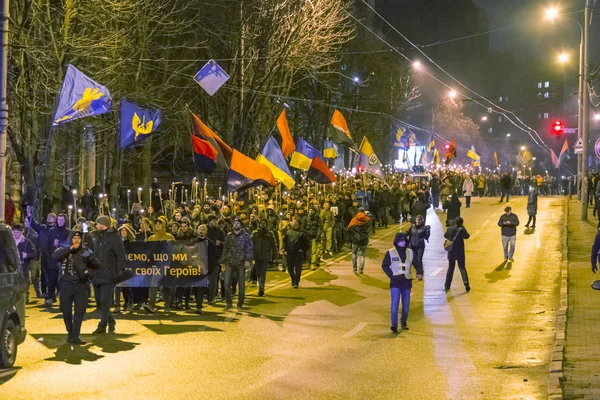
[563, 58]
[597, 117]
[356, 79]
[417, 65]
[552, 13]
[484, 118]
[522, 148]
[452, 94]
[508, 135]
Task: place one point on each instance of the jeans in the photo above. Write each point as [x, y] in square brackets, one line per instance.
[294, 264]
[506, 241]
[213, 279]
[200, 293]
[505, 192]
[463, 272]
[105, 295]
[52, 276]
[398, 293]
[358, 257]
[383, 216]
[418, 257]
[468, 198]
[260, 266]
[239, 271]
[532, 218]
[73, 294]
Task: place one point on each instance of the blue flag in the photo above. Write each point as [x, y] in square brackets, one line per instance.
[80, 97]
[137, 123]
[402, 138]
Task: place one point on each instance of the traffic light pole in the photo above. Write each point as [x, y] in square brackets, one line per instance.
[585, 123]
[3, 101]
[580, 115]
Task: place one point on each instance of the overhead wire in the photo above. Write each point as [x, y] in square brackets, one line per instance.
[543, 145]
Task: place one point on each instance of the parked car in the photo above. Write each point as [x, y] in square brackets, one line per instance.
[13, 286]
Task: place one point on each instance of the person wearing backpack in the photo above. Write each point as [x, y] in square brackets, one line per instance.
[456, 253]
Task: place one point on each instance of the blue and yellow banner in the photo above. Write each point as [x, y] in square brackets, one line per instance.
[304, 154]
[273, 158]
[80, 97]
[137, 123]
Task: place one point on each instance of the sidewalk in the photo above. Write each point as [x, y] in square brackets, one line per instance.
[582, 351]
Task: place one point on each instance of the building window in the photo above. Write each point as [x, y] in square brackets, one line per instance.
[500, 99]
[539, 115]
[545, 115]
[505, 99]
[546, 95]
[547, 84]
[540, 95]
[490, 130]
[539, 85]
[500, 119]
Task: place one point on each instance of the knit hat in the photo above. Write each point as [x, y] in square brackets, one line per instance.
[77, 233]
[400, 236]
[81, 219]
[103, 220]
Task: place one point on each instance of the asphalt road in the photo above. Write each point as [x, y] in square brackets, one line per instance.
[331, 337]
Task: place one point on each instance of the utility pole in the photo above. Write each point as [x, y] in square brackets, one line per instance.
[3, 103]
[586, 115]
[580, 115]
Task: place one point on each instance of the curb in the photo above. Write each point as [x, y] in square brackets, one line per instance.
[555, 372]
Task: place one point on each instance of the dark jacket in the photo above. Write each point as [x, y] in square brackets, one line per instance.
[510, 228]
[453, 208]
[75, 263]
[458, 248]
[419, 208]
[214, 234]
[296, 241]
[312, 225]
[188, 237]
[61, 234]
[110, 252]
[435, 185]
[417, 235]
[506, 182]
[596, 249]
[26, 246]
[398, 281]
[237, 249]
[42, 230]
[532, 203]
[265, 245]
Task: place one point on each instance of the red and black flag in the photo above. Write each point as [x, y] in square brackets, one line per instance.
[205, 155]
[320, 172]
[224, 151]
[451, 153]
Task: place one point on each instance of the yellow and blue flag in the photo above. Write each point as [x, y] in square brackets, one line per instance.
[471, 153]
[137, 123]
[304, 154]
[80, 97]
[369, 162]
[402, 138]
[272, 157]
[330, 149]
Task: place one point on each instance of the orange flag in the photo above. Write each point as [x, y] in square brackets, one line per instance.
[287, 143]
[341, 133]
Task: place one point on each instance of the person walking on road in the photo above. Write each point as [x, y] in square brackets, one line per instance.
[397, 266]
[505, 186]
[468, 190]
[532, 207]
[508, 223]
[265, 249]
[457, 234]
[452, 206]
[237, 257]
[295, 244]
[358, 232]
[110, 254]
[75, 261]
[417, 234]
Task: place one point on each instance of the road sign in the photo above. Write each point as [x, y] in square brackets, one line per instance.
[597, 148]
[578, 146]
[570, 130]
[211, 77]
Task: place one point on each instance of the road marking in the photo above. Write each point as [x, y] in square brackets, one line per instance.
[7, 373]
[537, 241]
[436, 271]
[355, 330]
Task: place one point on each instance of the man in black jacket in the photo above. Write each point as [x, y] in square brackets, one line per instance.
[57, 237]
[110, 253]
[457, 233]
[508, 223]
[505, 185]
[265, 248]
[215, 250]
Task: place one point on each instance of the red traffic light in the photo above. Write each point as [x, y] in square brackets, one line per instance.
[447, 147]
[558, 127]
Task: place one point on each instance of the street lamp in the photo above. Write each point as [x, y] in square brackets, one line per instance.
[417, 65]
[484, 118]
[523, 148]
[563, 58]
[452, 94]
[597, 117]
[508, 135]
[551, 13]
[356, 79]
